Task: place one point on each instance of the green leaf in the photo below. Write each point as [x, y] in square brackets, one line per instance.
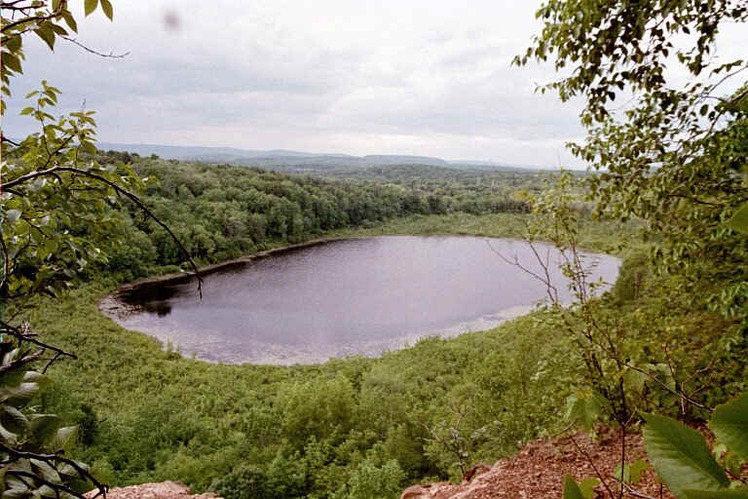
[623, 473]
[631, 473]
[739, 220]
[64, 438]
[15, 488]
[7, 437]
[44, 428]
[13, 419]
[584, 408]
[70, 21]
[106, 6]
[12, 43]
[587, 487]
[47, 491]
[20, 394]
[59, 29]
[636, 470]
[46, 33]
[571, 489]
[47, 471]
[90, 6]
[12, 62]
[741, 493]
[730, 425]
[680, 456]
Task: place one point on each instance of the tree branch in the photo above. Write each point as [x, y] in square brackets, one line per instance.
[132, 197]
[110, 55]
[6, 139]
[592, 463]
[6, 258]
[26, 336]
[56, 458]
[21, 362]
[60, 9]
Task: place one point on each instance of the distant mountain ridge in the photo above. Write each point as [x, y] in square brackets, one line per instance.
[298, 161]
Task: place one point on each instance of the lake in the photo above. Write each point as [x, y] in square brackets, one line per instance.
[346, 297]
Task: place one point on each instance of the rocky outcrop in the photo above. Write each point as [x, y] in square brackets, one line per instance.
[538, 471]
[163, 490]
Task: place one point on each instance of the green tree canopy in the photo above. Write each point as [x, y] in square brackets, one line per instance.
[669, 150]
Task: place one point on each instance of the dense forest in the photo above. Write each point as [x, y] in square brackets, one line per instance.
[222, 212]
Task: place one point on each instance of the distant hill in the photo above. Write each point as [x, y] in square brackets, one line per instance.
[302, 162]
[208, 153]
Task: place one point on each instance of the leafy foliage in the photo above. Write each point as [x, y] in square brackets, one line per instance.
[674, 155]
[31, 443]
[681, 457]
[583, 490]
[730, 425]
[49, 20]
[488, 391]
[364, 427]
[54, 198]
[46, 194]
[222, 212]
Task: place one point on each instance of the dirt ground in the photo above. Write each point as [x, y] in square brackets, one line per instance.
[538, 471]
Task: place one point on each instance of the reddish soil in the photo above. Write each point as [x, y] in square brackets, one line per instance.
[538, 471]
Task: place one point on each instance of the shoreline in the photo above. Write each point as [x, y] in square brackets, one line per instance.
[177, 276]
[180, 276]
[112, 306]
[117, 307]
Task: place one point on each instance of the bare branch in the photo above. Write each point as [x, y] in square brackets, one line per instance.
[26, 20]
[13, 5]
[25, 335]
[6, 139]
[551, 290]
[592, 463]
[110, 55]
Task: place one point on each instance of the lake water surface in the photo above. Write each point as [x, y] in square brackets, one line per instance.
[346, 297]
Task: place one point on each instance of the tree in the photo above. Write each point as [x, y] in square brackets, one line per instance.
[674, 154]
[55, 202]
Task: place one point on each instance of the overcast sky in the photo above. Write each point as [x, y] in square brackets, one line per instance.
[424, 77]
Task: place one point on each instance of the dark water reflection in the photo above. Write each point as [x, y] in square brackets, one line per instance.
[359, 296]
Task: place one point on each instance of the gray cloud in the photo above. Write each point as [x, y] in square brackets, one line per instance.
[373, 76]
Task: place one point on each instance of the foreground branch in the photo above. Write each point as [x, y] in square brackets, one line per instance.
[52, 459]
[55, 170]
